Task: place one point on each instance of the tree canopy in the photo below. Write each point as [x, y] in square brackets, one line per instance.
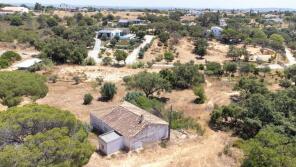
[149, 83]
[14, 85]
[39, 135]
[266, 119]
[183, 76]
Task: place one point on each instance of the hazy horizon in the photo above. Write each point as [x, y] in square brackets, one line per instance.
[226, 4]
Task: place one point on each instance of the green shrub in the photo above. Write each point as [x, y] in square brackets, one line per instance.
[285, 83]
[89, 61]
[11, 56]
[11, 101]
[87, 99]
[179, 121]
[77, 80]
[107, 61]
[7, 58]
[4, 63]
[183, 76]
[108, 90]
[138, 65]
[168, 56]
[141, 53]
[53, 78]
[214, 68]
[200, 93]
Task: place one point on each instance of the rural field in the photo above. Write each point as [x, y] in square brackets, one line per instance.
[151, 87]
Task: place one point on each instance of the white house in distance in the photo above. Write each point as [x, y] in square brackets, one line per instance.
[127, 22]
[217, 32]
[13, 9]
[127, 127]
[111, 33]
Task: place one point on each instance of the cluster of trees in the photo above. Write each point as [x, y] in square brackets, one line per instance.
[39, 135]
[14, 85]
[62, 51]
[181, 76]
[236, 53]
[7, 58]
[266, 119]
[230, 68]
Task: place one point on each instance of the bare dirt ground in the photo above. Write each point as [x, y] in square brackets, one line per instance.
[185, 149]
[204, 151]
[125, 14]
[188, 18]
[61, 13]
[67, 96]
[90, 73]
[216, 52]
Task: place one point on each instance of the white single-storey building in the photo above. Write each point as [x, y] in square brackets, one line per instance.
[127, 127]
[13, 9]
[115, 32]
[217, 32]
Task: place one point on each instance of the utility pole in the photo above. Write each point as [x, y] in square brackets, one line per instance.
[170, 122]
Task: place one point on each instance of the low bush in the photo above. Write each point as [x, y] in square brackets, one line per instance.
[200, 93]
[7, 58]
[87, 99]
[89, 61]
[108, 90]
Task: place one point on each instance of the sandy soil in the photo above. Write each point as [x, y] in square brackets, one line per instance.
[125, 14]
[67, 96]
[188, 18]
[197, 152]
[90, 73]
[216, 52]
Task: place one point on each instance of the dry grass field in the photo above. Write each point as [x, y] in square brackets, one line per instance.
[216, 52]
[185, 149]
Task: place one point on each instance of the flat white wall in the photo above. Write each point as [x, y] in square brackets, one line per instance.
[152, 133]
[111, 147]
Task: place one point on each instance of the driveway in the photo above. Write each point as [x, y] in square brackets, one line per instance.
[291, 61]
[290, 57]
[95, 52]
[132, 58]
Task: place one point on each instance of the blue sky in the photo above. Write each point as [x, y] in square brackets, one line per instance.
[172, 3]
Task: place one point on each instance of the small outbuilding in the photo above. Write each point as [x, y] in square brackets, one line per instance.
[110, 142]
[27, 64]
[127, 127]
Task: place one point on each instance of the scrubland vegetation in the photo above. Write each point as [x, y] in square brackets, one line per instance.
[260, 117]
[15, 85]
[37, 135]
